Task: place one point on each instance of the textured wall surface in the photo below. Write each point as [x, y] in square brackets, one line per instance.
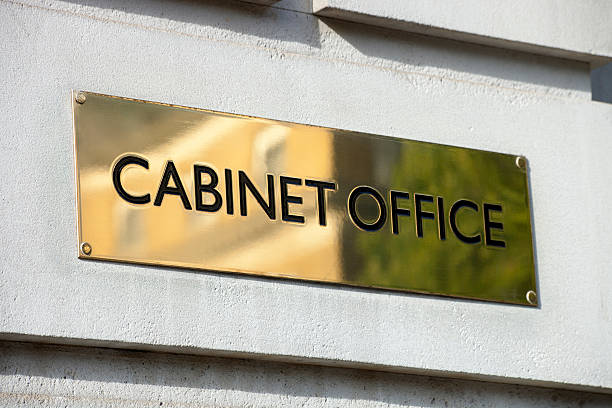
[287, 64]
[577, 29]
[48, 376]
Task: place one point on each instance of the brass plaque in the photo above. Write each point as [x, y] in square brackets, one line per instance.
[168, 185]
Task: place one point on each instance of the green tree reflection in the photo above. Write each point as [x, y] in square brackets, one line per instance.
[451, 266]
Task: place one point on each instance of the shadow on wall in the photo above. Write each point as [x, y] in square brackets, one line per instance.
[496, 63]
[601, 84]
[232, 15]
[301, 28]
[94, 376]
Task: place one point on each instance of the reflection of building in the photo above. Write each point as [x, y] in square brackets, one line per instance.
[510, 77]
[169, 233]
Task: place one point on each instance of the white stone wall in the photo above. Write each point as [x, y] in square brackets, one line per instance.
[35, 375]
[575, 29]
[282, 62]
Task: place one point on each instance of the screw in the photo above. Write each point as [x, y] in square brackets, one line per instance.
[532, 298]
[86, 248]
[81, 98]
[521, 162]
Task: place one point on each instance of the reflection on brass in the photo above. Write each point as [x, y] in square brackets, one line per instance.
[167, 185]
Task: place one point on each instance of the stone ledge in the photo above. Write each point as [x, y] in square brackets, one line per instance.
[559, 28]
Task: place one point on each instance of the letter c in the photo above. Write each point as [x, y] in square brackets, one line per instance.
[125, 161]
[453, 221]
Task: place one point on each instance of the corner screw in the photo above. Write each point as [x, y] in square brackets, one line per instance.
[80, 98]
[521, 162]
[532, 298]
[86, 248]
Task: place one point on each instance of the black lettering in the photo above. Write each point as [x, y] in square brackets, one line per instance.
[206, 188]
[419, 214]
[488, 224]
[229, 192]
[441, 220]
[352, 203]
[453, 220]
[395, 211]
[321, 186]
[286, 199]
[123, 162]
[164, 188]
[244, 182]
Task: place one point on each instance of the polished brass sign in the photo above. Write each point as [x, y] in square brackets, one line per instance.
[168, 185]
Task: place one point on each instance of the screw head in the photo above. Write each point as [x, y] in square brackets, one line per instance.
[521, 162]
[80, 98]
[86, 248]
[532, 297]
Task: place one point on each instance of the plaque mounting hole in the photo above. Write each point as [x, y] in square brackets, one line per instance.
[532, 297]
[86, 248]
[521, 162]
[80, 98]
